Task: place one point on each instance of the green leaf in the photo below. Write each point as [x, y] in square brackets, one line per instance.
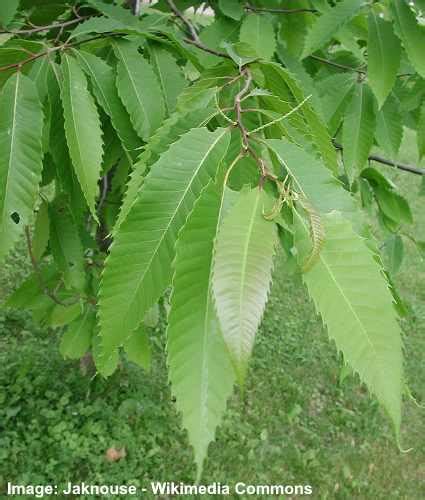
[375, 178]
[258, 32]
[105, 367]
[411, 34]
[170, 76]
[173, 128]
[76, 340]
[41, 233]
[66, 246]
[200, 370]
[384, 52]
[420, 132]
[144, 102]
[8, 10]
[335, 93]
[82, 129]
[62, 315]
[213, 35]
[231, 8]
[21, 128]
[329, 23]
[277, 79]
[358, 129]
[38, 73]
[30, 294]
[389, 127]
[393, 205]
[138, 349]
[351, 294]
[102, 78]
[242, 274]
[99, 25]
[312, 179]
[394, 251]
[138, 268]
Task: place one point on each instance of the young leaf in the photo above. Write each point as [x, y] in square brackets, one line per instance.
[21, 128]
[170, 76]
[242, 274]
[389, 127]
[384, 52]
[200, 370]
[102, 78]
[138, 268]
[257, 31]
[138, 89]
[312, 179]
[411, 34]
[354, 300]
[76, 340]
[358, 129]
[138, 349]
[329, 23]
[82, 129]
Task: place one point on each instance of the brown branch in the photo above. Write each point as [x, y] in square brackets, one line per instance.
[63, 46]
[49, 27]
[246, 147]
[136, 7]
[401, 166]
[252, 8]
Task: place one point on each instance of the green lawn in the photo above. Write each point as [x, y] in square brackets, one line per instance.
[295, 424]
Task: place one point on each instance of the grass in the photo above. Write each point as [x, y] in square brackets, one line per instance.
[297, 423]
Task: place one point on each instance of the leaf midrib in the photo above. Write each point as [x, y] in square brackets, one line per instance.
[12, 147]
[166, 229]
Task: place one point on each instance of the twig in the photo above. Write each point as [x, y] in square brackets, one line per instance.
[401, 166]
[350, 68]
[252, 8]
[47, 52]
[49, 27]
[104, 193]
[246, 147]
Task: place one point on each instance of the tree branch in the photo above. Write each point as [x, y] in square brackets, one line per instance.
[64, 46]
[401, 166]
[39, 29]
